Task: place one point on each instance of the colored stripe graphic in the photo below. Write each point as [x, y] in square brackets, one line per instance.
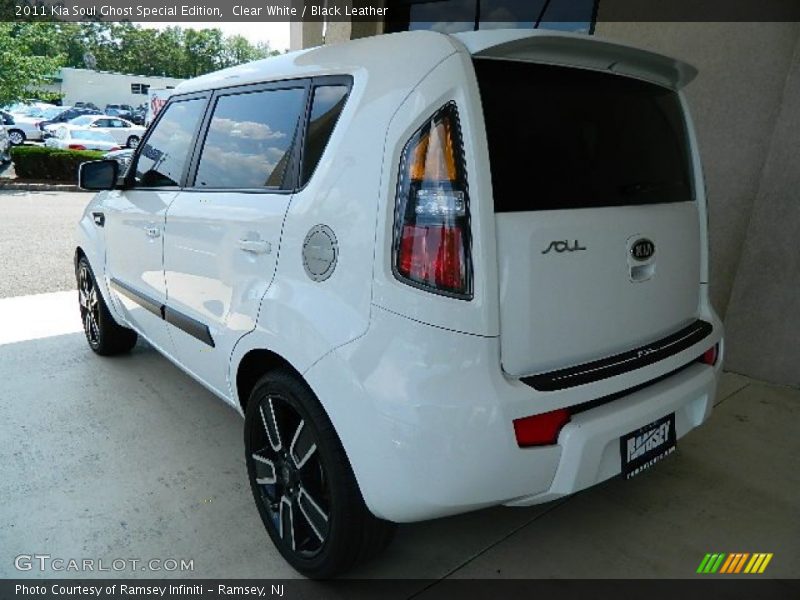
[703, 563]
[733, 559]
[729, 564]
[741, 562]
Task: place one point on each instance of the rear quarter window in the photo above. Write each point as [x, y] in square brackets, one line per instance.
[562, 138]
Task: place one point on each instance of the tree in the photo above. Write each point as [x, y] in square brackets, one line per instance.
[22, 71]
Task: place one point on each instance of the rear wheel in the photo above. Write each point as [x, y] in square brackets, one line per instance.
[104, 335]
[133, 141]
[16, 137]
[303, 484]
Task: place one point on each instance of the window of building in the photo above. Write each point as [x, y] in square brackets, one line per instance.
[164, 155]
[250, 139]
[140, 88]
[451, 16]
[326, 107]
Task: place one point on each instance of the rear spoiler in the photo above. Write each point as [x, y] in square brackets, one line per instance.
[556, 48]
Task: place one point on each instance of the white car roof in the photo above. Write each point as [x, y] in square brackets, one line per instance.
[406, 57]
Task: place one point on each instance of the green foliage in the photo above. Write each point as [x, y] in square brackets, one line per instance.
[31, 52]
[49, 164]
[124, 47]
[21, 70]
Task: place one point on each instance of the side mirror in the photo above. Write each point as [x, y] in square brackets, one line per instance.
[98, 175]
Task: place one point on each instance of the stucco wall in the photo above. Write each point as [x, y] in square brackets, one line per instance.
[735, 103]
[764, 315]
[746, 106]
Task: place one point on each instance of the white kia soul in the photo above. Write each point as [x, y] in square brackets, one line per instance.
[434, 273]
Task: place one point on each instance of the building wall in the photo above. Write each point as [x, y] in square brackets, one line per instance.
[764, 315]
[85, 85]
[746, 107]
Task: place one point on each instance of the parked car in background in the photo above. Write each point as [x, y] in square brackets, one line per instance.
[123, 158]
[91, 105]
[26, 124]
[124, 132]
[70, 113]
[5, 146]
[124, 111]
[73, 138]
[26, 107]
[140, 114]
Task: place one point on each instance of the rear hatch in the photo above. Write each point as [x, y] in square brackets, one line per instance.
[598, 231]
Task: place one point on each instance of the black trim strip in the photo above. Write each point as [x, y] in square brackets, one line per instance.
[620, 363]
[141, 299]
[187, 324]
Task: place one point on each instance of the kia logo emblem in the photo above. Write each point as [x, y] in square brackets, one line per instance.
[643, 249]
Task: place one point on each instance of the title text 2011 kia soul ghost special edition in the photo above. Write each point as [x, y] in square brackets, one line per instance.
[434, 273]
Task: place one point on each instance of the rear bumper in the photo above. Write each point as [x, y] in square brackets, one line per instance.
[425, 416]
[590, 450]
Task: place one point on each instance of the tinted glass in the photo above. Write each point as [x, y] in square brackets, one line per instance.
[164, 155]
[326, 107]
[572, 138]
[250, 138]
[450, 16]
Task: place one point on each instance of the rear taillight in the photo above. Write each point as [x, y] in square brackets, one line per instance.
[540, 430]
[431, 248]
[710, 356]
[76, 147]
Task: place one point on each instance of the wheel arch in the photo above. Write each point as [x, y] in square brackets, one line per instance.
[256, 363]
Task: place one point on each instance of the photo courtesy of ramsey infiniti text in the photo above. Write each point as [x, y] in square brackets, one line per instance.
[427, 271]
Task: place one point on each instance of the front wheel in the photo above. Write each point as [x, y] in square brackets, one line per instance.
[16, 137]
[132, 142]
[104, 335]
[303, 484]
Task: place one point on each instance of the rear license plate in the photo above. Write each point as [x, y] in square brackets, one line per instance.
[643, 448]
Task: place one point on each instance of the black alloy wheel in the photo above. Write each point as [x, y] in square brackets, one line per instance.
[104, 335]
[302, 482]
[89, 304]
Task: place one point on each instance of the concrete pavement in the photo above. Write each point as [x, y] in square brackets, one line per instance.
[37, 240]
[130, 458]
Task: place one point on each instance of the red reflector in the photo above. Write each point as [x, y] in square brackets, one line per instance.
[540, 430]
[710, 356]
[76, 147]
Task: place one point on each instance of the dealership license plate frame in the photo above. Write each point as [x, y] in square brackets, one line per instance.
[649, 457]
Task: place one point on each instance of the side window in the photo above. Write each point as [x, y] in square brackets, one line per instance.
[161, 161]
[326, 107]
[250, 139]
[102, 123]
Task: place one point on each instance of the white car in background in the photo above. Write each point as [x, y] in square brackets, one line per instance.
[124, 132]
[5, 145]
[26, 123]
[67, 138]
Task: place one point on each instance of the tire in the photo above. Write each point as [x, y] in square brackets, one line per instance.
[303, 484]
[16, 137]
[103, 334]
[133, 142]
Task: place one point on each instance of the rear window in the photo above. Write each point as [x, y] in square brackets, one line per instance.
[561, 138]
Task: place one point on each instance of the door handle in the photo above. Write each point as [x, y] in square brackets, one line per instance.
[153, 232]
[255, 246]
